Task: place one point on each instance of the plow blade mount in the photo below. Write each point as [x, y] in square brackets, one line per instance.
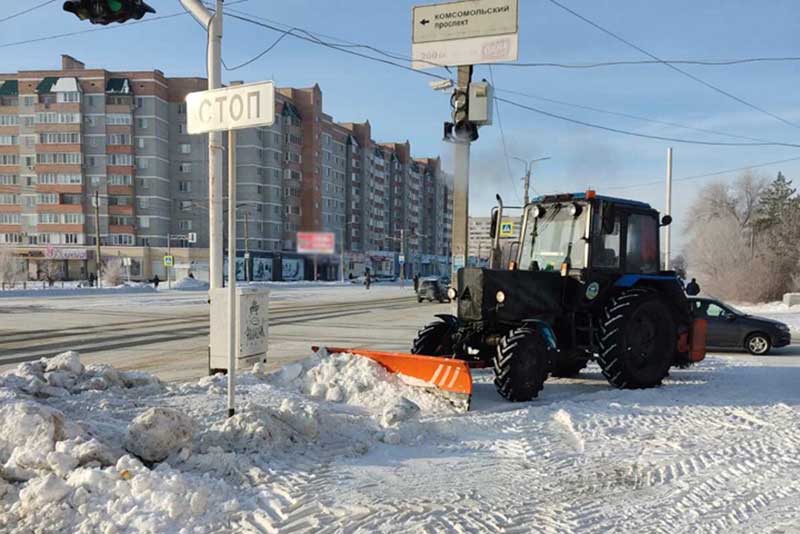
[447, 375]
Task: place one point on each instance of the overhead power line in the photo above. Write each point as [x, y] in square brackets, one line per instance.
[623, 62]
[705, 175]
[307, 36]
[92, 30]
[24, 11]
[673, 67]
[637, 134]
[631, 116]
[503, 139]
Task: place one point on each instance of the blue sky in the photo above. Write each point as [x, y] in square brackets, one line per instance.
[400, 105]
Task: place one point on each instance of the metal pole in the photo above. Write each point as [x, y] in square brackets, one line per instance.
[526, 197]
[341, 254]
[246, 247]
[402, 255]
[169, 253]
[231, 271]
[98, 255]
[668, 209]
[461, 190]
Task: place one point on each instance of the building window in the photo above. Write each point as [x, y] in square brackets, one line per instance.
[119, 139]
[144, 222]
[185, 167]
[47, 198]
[90, 121]
[9, 120]
[181, 128]
[68, 97]
[142, 163]
[9, 159]
[120, 159]
[143, 183]
[10, 198]
[140, 142]
[185, 186]
[28, 100]
[185, 224]
[143, 202]
[8, 140]
[119, 119]
[186, 205]
[120, 179]
[71, 239]
[186, 148]
[9, 179]
[141, 123]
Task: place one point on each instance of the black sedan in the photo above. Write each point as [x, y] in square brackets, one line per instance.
[729, 328]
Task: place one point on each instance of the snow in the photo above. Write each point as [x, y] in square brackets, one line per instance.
[335, 443]
[156, 433]
[190, 284]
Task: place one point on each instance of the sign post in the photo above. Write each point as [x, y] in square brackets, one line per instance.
[463, 34]
[316, 243]
[231, 108]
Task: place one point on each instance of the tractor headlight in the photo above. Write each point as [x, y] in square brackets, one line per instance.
[500, 297]
[592, 290]
[575, 209]
[451, 293]
[537, 211]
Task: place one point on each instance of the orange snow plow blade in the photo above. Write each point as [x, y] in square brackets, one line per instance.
[445, 374]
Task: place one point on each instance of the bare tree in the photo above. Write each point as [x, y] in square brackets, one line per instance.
[11, 267]
[113, 273]
[51, 271]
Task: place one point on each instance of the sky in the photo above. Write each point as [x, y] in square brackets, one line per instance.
[400, 104]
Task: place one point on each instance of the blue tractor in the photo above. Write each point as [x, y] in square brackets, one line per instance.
[585, 283]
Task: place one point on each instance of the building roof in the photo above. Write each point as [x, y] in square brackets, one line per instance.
[66, 85]
[118, 86]
[46, 85]
[9, 88]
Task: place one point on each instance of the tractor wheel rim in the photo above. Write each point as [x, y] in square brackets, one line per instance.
[643, 341]
[758, 344]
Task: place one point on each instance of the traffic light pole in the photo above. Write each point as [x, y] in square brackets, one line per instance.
[213, 24]
[461, 191]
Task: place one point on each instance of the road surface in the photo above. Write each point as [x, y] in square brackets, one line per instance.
[166, 333]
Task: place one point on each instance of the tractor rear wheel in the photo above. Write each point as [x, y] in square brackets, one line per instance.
[521, 364]
[435, 339]
[638, 339]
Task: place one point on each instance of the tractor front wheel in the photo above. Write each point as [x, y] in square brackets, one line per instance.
[435, 339]
[521, 364]
[638, 339]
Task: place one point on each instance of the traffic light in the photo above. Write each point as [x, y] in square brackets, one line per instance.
[108, 11]
[461, 129]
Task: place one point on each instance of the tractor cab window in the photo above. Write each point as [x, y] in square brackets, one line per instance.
[554, 234]
[641, 251]
[607, 243]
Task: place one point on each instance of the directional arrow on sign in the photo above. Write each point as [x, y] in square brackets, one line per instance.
[424, 22]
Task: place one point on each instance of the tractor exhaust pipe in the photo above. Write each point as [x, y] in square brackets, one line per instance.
[497, 219]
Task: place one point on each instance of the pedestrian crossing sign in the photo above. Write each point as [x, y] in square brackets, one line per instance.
[169, 261]
[506, 229]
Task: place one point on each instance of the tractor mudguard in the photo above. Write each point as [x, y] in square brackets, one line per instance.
[450, 320]
[546, 329]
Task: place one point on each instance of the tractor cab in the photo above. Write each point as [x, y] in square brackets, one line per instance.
[583, 234]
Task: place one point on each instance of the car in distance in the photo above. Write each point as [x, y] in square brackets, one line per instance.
[729, 328]
[431, 289]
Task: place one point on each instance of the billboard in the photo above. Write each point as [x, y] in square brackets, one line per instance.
[316, 242]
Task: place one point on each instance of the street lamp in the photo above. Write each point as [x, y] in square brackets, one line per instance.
[528, 166]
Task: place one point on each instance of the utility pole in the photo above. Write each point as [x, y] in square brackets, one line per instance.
[213, 24]
[527, 179]
[461, 149]
[668, 210]
[97, 253]
[402, 255]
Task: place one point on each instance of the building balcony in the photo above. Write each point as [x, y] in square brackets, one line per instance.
[60, 208]
[120, 229]
[59, 188]
[120, 210]
[126, 190]
[64, 228]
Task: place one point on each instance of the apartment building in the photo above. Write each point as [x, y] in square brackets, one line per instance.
[76, 133]
[480, 240]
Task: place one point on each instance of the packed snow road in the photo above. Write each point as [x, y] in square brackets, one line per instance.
[166, 332]
[334, 444]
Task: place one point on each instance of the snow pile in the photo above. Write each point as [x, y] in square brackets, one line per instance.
[190, 284]
[352, 379]
[65, 375]
[156, 433]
